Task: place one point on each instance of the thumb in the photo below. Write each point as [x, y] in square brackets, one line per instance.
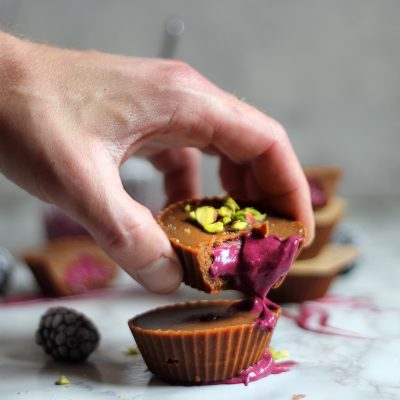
[127, 231]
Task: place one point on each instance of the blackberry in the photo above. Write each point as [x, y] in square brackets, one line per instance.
[6, 266]
[67, 335]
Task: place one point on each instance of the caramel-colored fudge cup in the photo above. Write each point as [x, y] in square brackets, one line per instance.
[310, 279]
[70, 266]
[326, 220]
[201, 341]
[194, 245]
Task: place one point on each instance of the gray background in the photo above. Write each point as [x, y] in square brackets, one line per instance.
[329, 71]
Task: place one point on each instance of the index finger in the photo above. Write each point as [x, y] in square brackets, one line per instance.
[246, 135]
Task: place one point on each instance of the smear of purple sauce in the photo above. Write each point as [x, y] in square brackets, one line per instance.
[266, 366]
[254, 264]
[85, 272]
[314, 315]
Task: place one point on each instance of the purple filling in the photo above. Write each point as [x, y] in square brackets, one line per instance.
[319, 196]
[254, 264]
[86, 273]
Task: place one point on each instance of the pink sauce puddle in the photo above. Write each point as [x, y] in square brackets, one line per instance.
[85, 273]
[314, 315]
[266, 366]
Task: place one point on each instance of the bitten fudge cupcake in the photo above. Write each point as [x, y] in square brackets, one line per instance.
[218, 238]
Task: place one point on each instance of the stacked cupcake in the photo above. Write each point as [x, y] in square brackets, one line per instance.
[319, 264]
[222, 245]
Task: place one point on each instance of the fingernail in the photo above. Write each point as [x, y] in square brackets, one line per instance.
[163, 275]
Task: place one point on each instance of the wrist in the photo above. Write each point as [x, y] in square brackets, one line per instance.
[13, 66]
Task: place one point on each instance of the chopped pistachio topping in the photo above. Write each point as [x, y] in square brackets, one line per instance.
[260, 217]
[215, 227]
[226, 220]
[229, 202]
[225, 211]
[62, 380]
[206, 215]
[239, 225]
[227, 217]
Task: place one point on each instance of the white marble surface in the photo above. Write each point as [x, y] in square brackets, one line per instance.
[329, 367]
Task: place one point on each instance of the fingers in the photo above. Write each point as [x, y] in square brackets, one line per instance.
[181, 168]
[124, 228]
[254, 143]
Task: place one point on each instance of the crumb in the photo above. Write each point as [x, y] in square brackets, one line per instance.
[278, 354]
[132, 351]
[298, 396]
[62, 380]
[187, 230]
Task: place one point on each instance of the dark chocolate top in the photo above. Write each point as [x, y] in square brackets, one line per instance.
[196, 316]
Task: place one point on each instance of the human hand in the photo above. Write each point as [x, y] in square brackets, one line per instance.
[69, 119]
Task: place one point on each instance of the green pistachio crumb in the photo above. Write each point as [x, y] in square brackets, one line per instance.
[216, 227]
[239, 216]
[62, 380]
[187, 208]
[225, 211]
[226, 220]
[251, 210]
[206, 215]
[192, 215]
[229, 202]
[260, 217]
[239, 225]
[278, 354]
[132, 351]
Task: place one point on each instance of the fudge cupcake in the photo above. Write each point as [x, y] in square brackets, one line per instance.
[217, 239]
[201, 341]
[70, 266]
[310, 279]
[323, 181]
[328, 208]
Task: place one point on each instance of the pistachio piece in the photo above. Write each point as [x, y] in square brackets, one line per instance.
[239, 216]
[260, 217]
[229, 202]
[187, 208]
[132, 351]
[62, 380]
[226, 220]
[192, 215]
[251, 210]
[216, 227]
[206, 215]
[224, 211]
[239, 225]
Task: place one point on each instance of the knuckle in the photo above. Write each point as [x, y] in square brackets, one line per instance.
[129, 235]
[278, 131]
[179, 72]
